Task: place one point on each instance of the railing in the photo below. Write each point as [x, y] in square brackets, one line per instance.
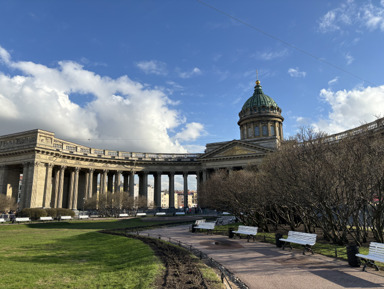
[225, 274]
[77, 149]
[356, 131]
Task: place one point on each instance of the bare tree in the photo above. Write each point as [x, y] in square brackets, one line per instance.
[7, 203]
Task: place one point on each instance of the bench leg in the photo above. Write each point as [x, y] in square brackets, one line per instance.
[287, 243]
[307, 248]
[370, 263]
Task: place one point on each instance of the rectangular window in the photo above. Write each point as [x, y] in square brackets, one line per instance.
[265, 130]
[249, 132]
[257, 131]
[273, 130]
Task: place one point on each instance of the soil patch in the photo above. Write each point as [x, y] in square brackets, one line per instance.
[182, 269]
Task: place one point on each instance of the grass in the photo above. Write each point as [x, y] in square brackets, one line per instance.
[74, 255]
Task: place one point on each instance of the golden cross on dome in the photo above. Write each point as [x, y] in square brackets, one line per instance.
[257, 77]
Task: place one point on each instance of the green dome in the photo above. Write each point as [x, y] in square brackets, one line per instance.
[259, 99]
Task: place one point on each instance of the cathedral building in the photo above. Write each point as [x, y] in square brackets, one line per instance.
[60, 174]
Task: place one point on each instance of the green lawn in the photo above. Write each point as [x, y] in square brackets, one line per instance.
[74, 255]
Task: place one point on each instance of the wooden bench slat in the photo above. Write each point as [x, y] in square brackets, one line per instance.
[301, 238]
[375, 253]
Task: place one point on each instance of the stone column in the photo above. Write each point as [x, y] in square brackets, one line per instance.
[205, 175]
[110, 182]
[198, 185]
[118, 182]
[3, 179]
[132, 184]
[125, 182]
[90, 184]
[71, 187]
[24, 190]
[75, 189]
[171, 201]
[61, 188]
[48, 186]
[269, 128]
[143, 184]
[185, 175]
[157, 191]
[56, 187]
[103, 182]
[35, 184]
[95, 190]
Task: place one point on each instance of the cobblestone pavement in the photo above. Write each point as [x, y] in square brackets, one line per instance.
[262, 265]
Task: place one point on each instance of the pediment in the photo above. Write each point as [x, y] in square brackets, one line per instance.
[236, 148]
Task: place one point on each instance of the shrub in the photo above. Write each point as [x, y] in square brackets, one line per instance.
[33, 213]
[51, 212]
[65, 212]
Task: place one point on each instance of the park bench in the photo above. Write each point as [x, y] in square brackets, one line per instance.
[160, 214]
[83, 217]
[375, 253]
[209, 226]
[198, 222]
[180, 213]
[305, 239]
[22, 219]
[65, 218]
[2, 220]
[46, 218]
[141, 214]
[246, 230]
[123, 215]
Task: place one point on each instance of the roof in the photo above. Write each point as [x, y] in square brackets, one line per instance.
[259, 99]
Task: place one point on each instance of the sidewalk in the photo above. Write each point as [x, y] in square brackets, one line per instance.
[262, 265]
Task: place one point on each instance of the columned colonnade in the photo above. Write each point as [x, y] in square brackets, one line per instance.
[61, 174]
[68, 187]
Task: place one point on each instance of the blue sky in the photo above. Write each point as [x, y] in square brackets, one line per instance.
[171, 76]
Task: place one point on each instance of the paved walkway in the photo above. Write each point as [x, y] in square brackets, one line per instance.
[262, 265]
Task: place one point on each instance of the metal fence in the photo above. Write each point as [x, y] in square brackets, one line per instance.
[226, 276]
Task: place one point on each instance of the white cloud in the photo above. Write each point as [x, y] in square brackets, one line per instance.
[273, 54]
[333, 81]
[351, 108]
[349, 58]
[4, 55]
[189, 74]
[153, 67]
[121, 114]
[328, 22]
[295, 72]
[348, 13]
[190, 132]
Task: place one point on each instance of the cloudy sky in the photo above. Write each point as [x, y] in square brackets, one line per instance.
[171, 76]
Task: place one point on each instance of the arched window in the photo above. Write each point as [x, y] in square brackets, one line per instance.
[257, 131]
